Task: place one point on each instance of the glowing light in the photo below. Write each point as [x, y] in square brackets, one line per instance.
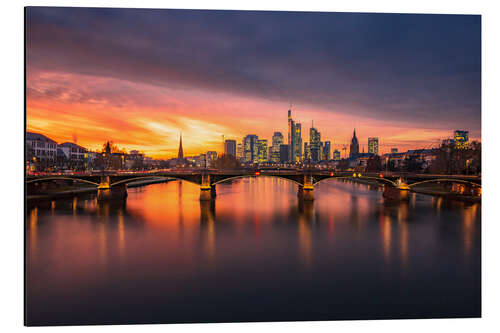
[331, 174]
[257, 173]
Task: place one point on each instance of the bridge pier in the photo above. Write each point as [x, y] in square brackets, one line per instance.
[207, 190]
[397, 193]
[306, 192]
[106, 192]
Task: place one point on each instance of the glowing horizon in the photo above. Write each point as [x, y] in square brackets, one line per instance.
[90, 84]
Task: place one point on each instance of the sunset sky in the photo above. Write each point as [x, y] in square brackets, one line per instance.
[139, 77]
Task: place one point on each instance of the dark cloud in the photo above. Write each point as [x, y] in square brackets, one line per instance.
[422, 68]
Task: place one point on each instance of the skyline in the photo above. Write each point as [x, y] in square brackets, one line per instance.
[129, 77]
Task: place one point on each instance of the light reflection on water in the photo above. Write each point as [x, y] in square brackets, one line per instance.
[255, 253]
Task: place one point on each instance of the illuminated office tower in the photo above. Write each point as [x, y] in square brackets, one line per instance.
[262, 151]
[354, 147]
[291, 138]
[461, 139]
[298, 143]
[250, 148]
[230, 147]
[307, 151]
[240, 152]
[315, 144]
[277, 141]
[336, 155]
[373, 146]
[326, 151]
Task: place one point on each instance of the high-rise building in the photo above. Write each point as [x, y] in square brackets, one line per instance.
[230, 147]
[326, 151]
[240, 152]
[298, 143]
[307, 151]
[211, 157]
[250, 148]
[373, 146]
[336, 155]
[354, 147]
[284, 151]
[277, 141]
[461, 139]
[294, 139]
[291, 137]
[262, 150]
[315, 144]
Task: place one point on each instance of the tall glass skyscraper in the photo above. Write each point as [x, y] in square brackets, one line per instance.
[461, 139]
[230, 147]
[373, 146]
[298, 143]
[250, 148]
[315, 144]
[326, 151]
[294, 139]
[277, 141]
[262, 151]
[291, 137]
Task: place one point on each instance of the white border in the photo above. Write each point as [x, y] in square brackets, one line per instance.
[12, 84]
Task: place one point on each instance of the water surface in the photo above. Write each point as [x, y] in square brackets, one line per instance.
[255, 253]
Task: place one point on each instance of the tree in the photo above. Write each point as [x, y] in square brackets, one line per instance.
[413, 164]
[112, 147]
[451, 160]
[226, 162]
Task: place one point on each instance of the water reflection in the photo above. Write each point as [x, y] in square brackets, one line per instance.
[252, 245]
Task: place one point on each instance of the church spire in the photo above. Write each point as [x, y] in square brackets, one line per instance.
[180, 155]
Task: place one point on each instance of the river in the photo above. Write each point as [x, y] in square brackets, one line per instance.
[254, 254]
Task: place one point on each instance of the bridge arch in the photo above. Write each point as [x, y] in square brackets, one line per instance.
[446, 180]
[388, 181]
[61, 178]
[255, 176]
[129, 180]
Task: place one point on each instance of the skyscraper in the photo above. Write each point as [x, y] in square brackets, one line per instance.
[291, 138]
[277, 141]
[354, 147]
[250, 148]
[298, 143]
[461, 139]
[240, 152]
[336, 155]
[262, 151]
[315, 144]
[230, 147]
[307, 152]
[326, 151]
[211, 157]
[373, 146]
[180, 154]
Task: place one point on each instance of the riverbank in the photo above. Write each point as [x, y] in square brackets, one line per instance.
[69, 193]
